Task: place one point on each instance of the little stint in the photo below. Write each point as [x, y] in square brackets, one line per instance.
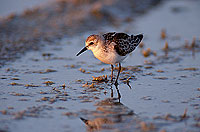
[112, 48]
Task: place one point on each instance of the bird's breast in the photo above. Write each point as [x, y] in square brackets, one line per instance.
[109, 57]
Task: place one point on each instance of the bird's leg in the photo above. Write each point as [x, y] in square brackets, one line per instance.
[118, 74]
[119, 95]
[112, 72]
[111, 94]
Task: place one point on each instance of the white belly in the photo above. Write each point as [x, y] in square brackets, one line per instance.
[109, 57]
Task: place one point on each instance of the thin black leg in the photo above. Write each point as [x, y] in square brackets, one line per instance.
[116, 83]
[118, 93]
[111, 94]
[112, 67]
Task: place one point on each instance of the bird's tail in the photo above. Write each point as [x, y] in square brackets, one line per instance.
[137, 38]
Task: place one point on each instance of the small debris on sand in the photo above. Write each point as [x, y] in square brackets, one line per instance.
[48, 83]
[148, 52]
[160, 71]
[82, 70]
[15, 84]
[147, 126]
[163, 34]
[141, 45]
[166, 47]
[102, 78]
[31, 85]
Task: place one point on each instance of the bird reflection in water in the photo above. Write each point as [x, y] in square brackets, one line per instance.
[109, 114]
[118, 92]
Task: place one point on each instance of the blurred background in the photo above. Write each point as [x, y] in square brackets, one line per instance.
[45, 87]
[29, 22]
[18, 6]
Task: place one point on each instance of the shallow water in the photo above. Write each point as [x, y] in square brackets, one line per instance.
[9, 6]
[160, 92]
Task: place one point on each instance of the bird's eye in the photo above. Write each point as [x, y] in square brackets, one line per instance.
[91, 43]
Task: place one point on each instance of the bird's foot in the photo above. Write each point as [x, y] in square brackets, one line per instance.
[116, 83]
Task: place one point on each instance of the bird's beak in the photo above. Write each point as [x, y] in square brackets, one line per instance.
[84, 120]
[83, 50]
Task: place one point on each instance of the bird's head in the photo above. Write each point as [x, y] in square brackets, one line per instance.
[91, 43]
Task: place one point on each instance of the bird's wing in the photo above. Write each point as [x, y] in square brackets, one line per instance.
[109, 36]
[115, 36]
[124, 43]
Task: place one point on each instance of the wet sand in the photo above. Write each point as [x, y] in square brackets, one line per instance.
[54, 88]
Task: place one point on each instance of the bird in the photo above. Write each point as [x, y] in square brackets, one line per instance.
[112, 48]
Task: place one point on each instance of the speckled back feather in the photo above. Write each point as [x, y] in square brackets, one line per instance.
[125, 44]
